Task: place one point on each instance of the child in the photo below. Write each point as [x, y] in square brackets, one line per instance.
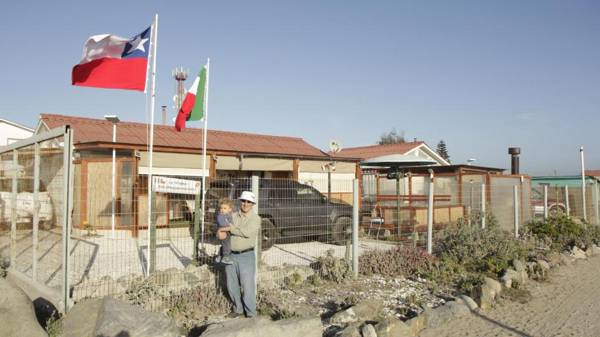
[224, 220]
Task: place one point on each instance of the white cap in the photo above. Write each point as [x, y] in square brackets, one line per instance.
[248, 196]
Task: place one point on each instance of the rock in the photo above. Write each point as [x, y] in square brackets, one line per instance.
[488, 292]
[391, 327]
[468, 301]
[262, 326]
[110, 317]
[553, 259]
[565, 259]
[16, 313]
[589, 252]
[444, 313]
[351, 330]
[544, 265]
[512, 277]
[595, 249]
[578, 254]
[519, 265]
[344, 317]
[367, 310]
[416, 324]
[368, 331]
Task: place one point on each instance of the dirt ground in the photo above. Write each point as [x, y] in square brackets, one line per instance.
[568, 304]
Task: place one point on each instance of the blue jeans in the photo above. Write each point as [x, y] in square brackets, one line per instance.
[241, 283]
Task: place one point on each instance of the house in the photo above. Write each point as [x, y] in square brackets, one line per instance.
[177, 156]
[10, 132]
[402, 202]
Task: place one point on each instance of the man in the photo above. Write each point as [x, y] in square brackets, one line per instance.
[241, 274]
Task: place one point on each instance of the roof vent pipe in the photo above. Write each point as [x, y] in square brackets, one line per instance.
[514, 159]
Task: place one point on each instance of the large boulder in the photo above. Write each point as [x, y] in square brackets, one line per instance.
[367, 310]
[487, 292]
[440, 315]
[16, 313]
[109, 317]
[262, 326]
[392, 327]
[578, 254]
[512, 277]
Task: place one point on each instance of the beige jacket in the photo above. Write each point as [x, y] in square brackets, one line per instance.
[244, 230]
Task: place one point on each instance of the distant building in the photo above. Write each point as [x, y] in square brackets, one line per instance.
[11, 132]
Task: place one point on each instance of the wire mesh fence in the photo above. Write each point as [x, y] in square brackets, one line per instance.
[121, 242]
[32, 203]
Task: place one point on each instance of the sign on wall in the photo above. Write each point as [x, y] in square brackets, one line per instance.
[175, 185]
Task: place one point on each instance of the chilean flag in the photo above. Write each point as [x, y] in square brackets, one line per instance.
[110, 61]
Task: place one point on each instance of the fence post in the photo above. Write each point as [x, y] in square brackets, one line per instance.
[152, 233]
[583, 185]
[430, 214]
[355, 227]
[66, 232]
[596, 206]
[36, 210]
[196, 228]
[13, 212]
[516, 209]
[483, 215]
[568, 208]
[258, 244]
[545, 202]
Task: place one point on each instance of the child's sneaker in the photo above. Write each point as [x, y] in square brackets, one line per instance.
[226, 260]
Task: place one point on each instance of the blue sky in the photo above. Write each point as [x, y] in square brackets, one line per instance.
[481, 75]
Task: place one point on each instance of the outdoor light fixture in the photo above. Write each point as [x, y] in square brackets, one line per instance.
[112, 118]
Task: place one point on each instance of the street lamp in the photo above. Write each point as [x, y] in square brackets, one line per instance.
[114, 120]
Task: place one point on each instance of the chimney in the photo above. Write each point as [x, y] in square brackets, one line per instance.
[164, 114]
[514, 159]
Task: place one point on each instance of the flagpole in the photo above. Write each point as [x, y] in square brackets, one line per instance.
[150, 164]
[204, 149]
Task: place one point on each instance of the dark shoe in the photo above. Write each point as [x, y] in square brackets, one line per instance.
[234, 315]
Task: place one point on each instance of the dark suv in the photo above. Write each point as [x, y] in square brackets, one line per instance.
[289, 210]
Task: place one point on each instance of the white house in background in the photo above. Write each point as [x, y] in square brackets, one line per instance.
[11, 132]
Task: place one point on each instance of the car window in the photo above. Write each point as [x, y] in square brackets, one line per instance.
[308, 193]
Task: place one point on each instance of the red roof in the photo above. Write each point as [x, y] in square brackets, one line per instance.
[91, 130]
[372, 151]
[594, 173]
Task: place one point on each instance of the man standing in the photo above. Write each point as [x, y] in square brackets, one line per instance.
[241, 275]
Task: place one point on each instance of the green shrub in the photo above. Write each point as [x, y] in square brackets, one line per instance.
[562, 232]
[404, 261]
[192, 307]
[269, 302]
[466, 250]
[331, 268]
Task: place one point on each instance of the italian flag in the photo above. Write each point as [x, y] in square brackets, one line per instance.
[193, 106]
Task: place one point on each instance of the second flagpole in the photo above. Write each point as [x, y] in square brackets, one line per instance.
[204, 150]
[152, 235]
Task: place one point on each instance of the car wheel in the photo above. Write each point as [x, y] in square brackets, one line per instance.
[342, 230]
[269, 233]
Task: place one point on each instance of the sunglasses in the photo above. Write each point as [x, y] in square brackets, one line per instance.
[246, 202]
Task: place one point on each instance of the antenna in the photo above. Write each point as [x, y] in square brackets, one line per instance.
[334, 146]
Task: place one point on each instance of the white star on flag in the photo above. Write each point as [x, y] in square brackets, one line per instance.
[138, 43]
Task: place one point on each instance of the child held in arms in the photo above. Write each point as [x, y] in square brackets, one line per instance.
[224, 219]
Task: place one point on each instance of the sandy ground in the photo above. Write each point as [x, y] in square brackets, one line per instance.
[566, 305]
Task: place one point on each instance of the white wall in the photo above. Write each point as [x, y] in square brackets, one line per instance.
[10, 133]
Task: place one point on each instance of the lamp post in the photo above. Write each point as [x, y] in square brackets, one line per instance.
[114, 120]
